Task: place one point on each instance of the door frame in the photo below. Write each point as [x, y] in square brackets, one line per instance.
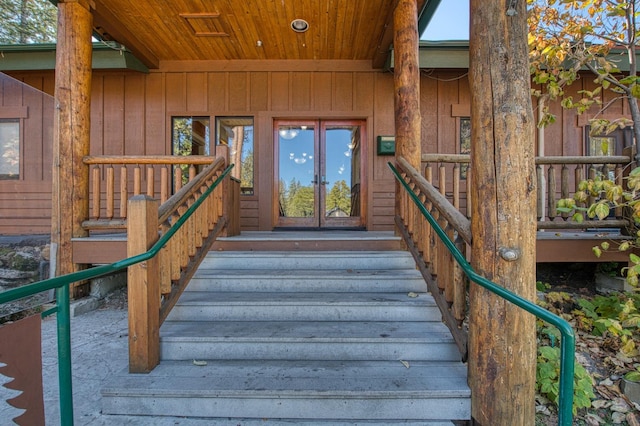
[318, 221]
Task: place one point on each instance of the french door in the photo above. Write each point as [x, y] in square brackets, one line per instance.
[319, 173]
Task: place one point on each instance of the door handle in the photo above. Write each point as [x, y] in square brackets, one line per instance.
[324, 180]
[315, 180]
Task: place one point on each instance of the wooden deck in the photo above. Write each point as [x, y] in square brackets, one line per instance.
[552, 246]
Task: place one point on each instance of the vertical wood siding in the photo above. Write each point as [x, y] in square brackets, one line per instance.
[131, 112]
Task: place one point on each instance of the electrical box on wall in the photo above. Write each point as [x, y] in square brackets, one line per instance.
[386, 145]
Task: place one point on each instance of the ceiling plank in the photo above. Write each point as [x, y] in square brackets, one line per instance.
[104, 19]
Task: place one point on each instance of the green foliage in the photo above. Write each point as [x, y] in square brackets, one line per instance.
[548, 379]
[566, 37]
[339, 197]
[616, 316]
[27, 21]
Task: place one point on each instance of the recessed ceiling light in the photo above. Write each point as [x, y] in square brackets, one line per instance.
[299, 25]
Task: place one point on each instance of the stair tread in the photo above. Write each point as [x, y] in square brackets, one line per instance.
[364, 379]
[343, 273]
[198, 298]
[334, 331]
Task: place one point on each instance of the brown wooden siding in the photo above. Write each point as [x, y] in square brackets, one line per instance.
[131, 114]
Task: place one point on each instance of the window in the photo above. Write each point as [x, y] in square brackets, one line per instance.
[465, 143]
[237, 134]
[189, 136]
[607, 145]
[10, 149]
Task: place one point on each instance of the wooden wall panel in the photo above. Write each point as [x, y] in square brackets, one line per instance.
[301, 91]
[114, 115]
[155, 124]
[97, 115]
[134, 107]
[363, 97]
[196, 92]
[429, 112]
[343, 92]
[280, 91]
[32, 134]
[322, 91]
[176, 93]
[217, 91]
[238, 92]
[259, 86]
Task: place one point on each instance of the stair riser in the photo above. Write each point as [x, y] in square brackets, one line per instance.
[323, 405]
[322, 262]
[341, 351]
[304, 313]
[275, 283]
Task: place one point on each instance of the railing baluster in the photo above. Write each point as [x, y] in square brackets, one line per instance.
[124, 191]
[177, 180]
[164, 184]
[95, 208]
[551, 193]
[110, 192]
[564, 185]
[137, 180]
[456, 185]
[151, 181]
[540, 192]
[442, 179]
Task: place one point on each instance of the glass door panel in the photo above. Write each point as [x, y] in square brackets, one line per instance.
[318, 173]
[340, 178]
[297, 174]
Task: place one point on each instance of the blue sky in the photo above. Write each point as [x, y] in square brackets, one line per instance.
[450, 22]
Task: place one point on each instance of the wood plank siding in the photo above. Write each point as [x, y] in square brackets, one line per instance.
[131, 115]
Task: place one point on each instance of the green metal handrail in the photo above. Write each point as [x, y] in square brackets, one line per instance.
[568, 343]
[61, 285]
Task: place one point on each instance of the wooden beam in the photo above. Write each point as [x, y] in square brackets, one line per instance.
[502, 337]
[108, 26]
[70, 181]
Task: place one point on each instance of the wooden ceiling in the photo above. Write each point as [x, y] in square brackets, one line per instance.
[158, 30]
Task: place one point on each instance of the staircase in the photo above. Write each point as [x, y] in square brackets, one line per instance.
[321, 337]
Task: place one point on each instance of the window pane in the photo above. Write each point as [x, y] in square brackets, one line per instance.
[237, 134]
[189, 136]
[10, 144]
[465, 143]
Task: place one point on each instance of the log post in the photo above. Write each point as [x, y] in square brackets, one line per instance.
[502, 339]
[406, 76]
[70, 179]
[143, 286]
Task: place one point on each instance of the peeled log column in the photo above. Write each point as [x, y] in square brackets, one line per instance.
[71, 130]
[502, 340]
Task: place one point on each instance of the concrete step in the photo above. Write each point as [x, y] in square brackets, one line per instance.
[294, 340]
[272, 306]
[287, 260]
[320, 280]
[306, 390]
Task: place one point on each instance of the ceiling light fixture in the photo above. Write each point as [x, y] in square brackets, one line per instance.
[299, 25]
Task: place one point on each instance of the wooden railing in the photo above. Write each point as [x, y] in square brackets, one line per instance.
[191, 220]
[115, 179]
[557, 177]
[442, 273]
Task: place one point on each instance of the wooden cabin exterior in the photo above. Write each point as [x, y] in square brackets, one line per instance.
[132, 113]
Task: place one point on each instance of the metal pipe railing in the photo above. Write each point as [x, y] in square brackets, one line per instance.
[61, 285]
[568, 342]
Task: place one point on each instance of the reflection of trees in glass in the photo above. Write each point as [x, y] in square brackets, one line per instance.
[189, 136]
[339, 199]
[10, 152]
[296, 200]
[246, 175]
[237, 134]
[465, 143]
[27, 21]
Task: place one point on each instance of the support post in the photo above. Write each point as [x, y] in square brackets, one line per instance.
[143, 286]
[70, 186]
[502, 338]
[406, 77]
